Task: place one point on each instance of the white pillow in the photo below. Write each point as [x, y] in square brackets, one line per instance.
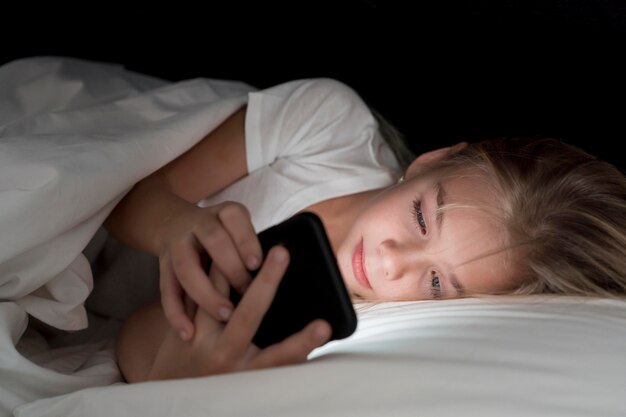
[534, 356]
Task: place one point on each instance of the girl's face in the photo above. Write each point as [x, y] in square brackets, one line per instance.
[399, 248]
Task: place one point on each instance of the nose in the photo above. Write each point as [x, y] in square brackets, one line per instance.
[400, 260]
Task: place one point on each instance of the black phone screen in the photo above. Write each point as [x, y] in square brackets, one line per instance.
[312, 287]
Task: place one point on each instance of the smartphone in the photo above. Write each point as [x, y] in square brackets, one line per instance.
[312, 287]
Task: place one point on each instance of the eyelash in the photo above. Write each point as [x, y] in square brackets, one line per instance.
[418, 216]
[418, 219]
[435, 292]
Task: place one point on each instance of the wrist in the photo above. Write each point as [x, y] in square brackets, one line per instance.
[179, 217]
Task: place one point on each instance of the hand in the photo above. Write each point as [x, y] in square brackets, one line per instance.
[226, 235]
[218, 348]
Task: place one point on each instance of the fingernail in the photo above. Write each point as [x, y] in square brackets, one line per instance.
[252, 262]
[224, 313]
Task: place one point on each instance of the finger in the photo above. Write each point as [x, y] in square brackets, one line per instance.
[207, 328]
[190, 306]
[206, 325]
[236, 218]
[171, 300]
[296, 348]
[211, 233]
[247, 317]
[195, 282]
[219, 281]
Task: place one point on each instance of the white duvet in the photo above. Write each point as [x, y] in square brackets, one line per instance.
[75, 135]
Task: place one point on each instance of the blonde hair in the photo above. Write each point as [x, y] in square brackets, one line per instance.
[562, 209]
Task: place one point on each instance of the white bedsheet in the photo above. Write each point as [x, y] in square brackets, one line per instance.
[529, 357]
[74, 136]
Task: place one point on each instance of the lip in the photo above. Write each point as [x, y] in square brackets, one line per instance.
[358, 266]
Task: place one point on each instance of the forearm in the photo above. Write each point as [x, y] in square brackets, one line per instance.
[143, 214]
[214, 163]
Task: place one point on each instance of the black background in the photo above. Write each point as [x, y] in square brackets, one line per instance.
[441, 71]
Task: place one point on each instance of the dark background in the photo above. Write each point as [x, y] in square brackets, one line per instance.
[441, 71]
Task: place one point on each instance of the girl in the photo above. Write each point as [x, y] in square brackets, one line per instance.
[521, 216]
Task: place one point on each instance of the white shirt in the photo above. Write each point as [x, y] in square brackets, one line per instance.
[307, 141]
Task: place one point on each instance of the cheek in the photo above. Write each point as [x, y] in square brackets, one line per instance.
[390, 213]
[344, 262]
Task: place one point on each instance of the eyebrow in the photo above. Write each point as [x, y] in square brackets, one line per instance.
[439, 216]
[440, 198]
[456, 284]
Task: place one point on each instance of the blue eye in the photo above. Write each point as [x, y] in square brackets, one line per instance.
[418, 216]
[435, 285]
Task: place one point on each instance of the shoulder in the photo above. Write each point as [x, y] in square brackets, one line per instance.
[305, 117]
[312, 92]
[326, 88]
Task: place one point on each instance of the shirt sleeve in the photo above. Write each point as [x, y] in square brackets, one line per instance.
[307, 141]
[307, 120]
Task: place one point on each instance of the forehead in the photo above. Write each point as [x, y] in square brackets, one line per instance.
[472, 234]
[468, 187]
